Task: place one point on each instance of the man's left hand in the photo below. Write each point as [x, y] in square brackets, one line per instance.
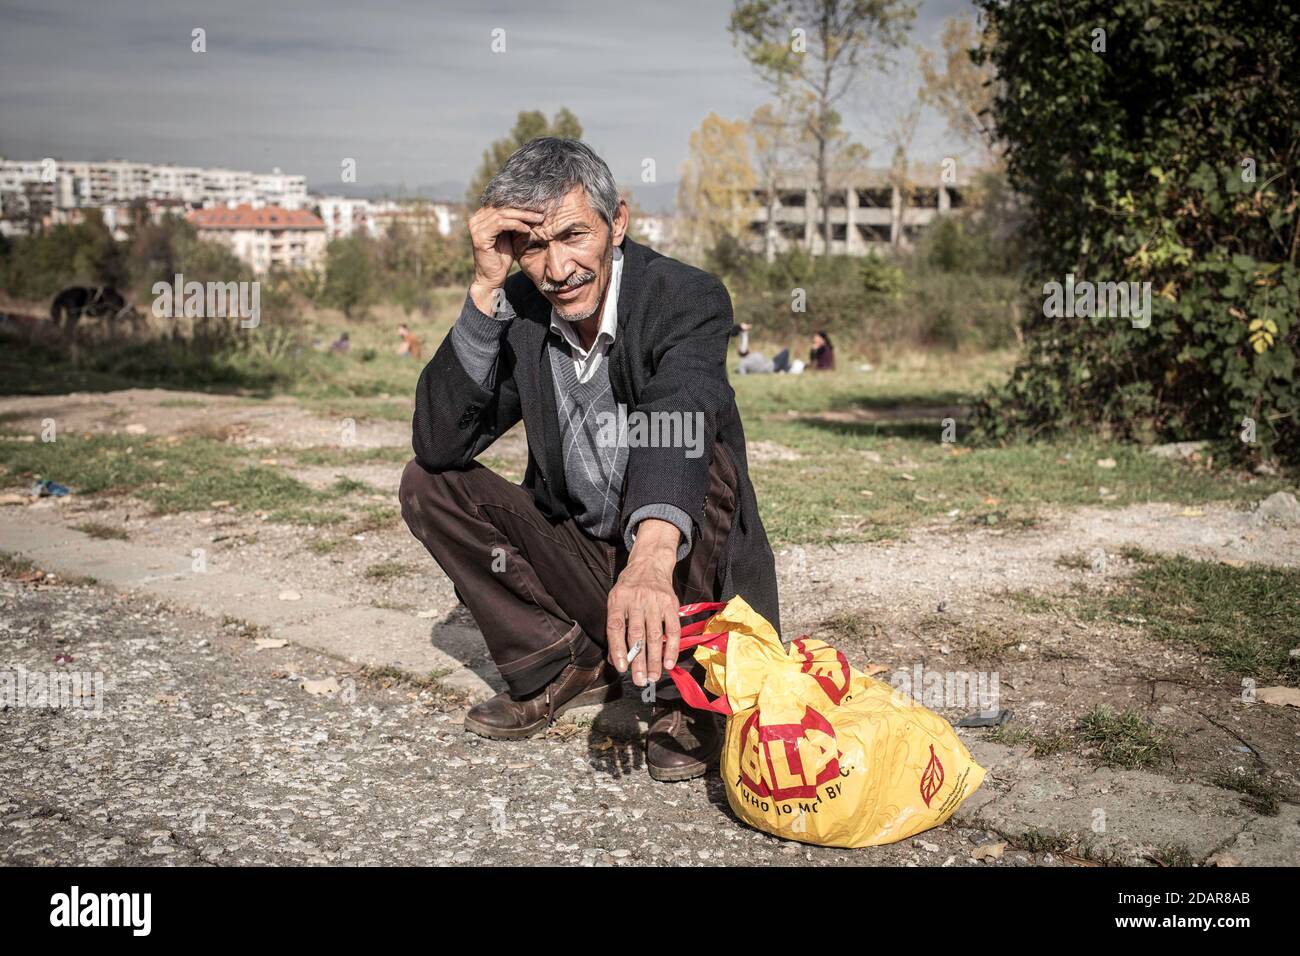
[643, 606]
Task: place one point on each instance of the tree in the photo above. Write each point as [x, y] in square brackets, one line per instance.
[960, 88]
[715, 193]
[529, 125]
[348, 274]
[1157, 145]
[774, 135]
[824, 48]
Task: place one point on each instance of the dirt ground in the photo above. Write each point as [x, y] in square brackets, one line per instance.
[949, 598]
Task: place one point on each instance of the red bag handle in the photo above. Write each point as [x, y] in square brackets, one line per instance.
[693, 636]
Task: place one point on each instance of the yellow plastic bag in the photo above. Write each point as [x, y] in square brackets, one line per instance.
[816, 751]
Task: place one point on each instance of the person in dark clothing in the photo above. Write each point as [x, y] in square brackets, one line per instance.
[576, 576]
[822, 355]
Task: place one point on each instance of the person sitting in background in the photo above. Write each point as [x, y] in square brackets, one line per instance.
[756, 363]
[821, 357]
[410, 346]
[341, 344]
[751, 363]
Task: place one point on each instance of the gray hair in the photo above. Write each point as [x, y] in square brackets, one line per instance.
[543, 171]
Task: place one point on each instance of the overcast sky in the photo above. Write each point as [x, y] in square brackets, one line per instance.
[411, 90]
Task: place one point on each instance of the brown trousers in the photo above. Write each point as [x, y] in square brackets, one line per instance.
[538, 589]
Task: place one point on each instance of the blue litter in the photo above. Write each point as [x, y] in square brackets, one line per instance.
[46, 488]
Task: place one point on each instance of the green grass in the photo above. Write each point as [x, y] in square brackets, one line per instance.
[1127, 740]
[1247, 619]
[11, 565]
[869, 465]
[1044, 744]
[97, 529]
[390, 570]
[340, 456]
[346, 486]
[1259, 791]
[186, 475]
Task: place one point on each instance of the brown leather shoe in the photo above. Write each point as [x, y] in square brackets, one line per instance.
[683, 742]
[504, 718]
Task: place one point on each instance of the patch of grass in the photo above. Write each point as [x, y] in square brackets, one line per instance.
[856, 482]
[1042, 745]
[11, 565]
[313, 517]
[1127, 740]
[345, 485]
[851, 626]
[1039, 841]
[387, 675]
[1031, 603]
[1172, 855]
[981, 641]
[376, 518]
[1259, 792]
[326, 545]
[340, 456]
[173, 476]
[178, 476]
[1076, 561]
[1244, 618]
[389, 570]
[101, 531]
[180, 403]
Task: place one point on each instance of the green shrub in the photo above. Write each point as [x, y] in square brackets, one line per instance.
[1135, 164]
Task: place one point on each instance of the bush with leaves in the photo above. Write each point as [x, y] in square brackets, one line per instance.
[1155, 141]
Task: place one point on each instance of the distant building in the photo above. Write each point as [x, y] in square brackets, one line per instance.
[345, 216]
[265, 237]
[656, 229]
[867, 212]
[31, 189]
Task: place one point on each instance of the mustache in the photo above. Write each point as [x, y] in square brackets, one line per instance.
[575, 280]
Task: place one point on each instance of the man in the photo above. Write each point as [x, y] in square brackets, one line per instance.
[612, 528]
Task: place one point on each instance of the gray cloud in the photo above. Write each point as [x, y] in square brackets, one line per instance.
[408, 89]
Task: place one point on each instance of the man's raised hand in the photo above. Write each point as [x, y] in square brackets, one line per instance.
[491, 235]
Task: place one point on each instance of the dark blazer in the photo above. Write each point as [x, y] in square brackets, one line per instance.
[669, 354]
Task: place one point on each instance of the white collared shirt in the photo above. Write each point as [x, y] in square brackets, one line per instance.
[587, 361]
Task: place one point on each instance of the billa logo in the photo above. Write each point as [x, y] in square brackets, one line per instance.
[932, 779]
[786, 761]
[827, 666]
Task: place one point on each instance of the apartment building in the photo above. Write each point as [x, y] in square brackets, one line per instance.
[868, 211]
[55, 184]
[345, 216]
[265, 237]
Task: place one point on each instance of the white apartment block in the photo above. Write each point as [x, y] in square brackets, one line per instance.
[345, 216]
[55, 184]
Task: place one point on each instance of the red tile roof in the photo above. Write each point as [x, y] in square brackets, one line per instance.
[247, 217]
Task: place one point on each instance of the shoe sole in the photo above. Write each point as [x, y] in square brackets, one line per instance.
[596, 695]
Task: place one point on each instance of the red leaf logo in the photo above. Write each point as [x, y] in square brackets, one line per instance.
[932, 779]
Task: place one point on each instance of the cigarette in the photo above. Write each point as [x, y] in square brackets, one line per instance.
[636, 649]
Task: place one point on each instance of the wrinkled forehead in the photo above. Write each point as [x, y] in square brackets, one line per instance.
[568, 210]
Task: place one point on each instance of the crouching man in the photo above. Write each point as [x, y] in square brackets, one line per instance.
[603, 347]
